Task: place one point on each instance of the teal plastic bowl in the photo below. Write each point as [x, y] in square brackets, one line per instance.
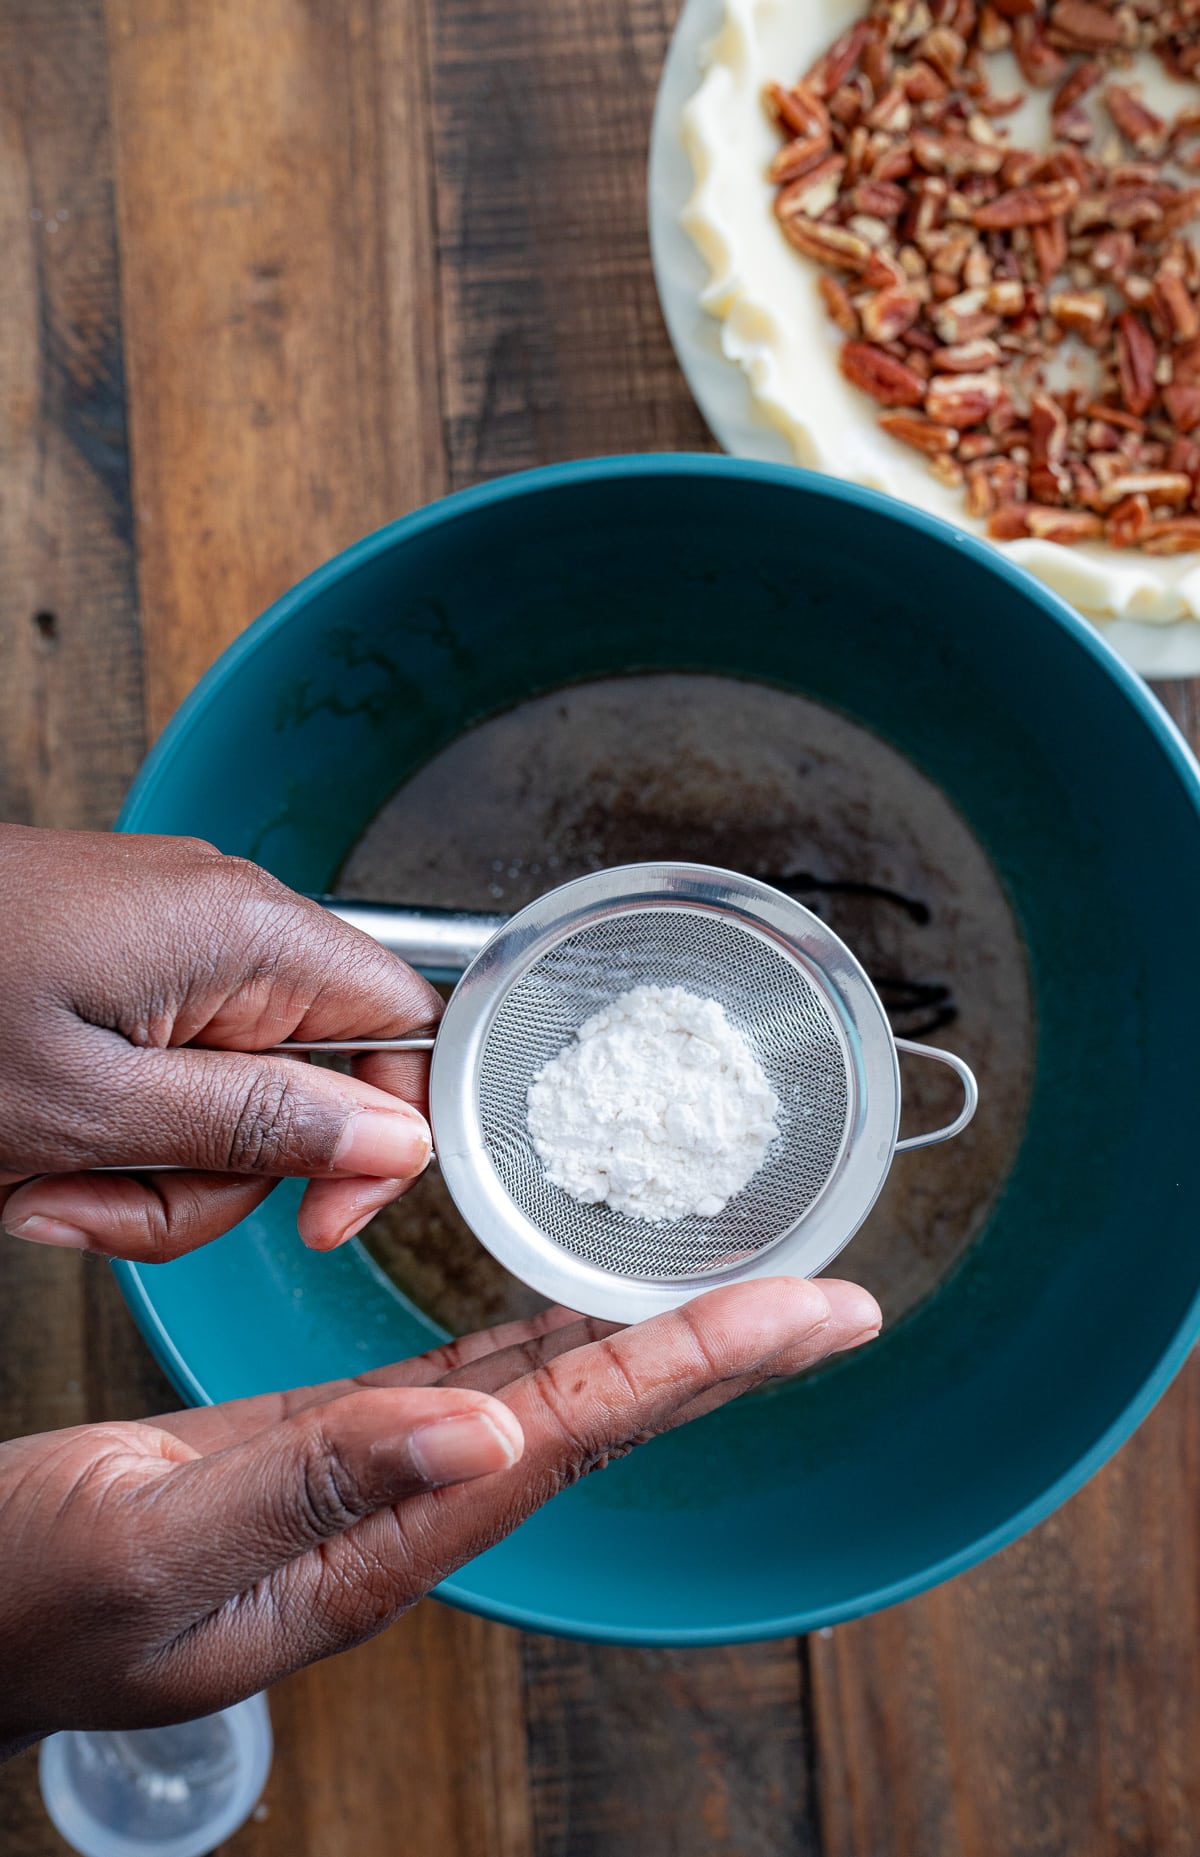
[995, 1400]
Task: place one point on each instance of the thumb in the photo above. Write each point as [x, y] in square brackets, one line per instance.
[297, 1484]
[234, 1112]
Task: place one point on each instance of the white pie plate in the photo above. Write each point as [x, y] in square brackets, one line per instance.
[738, 414]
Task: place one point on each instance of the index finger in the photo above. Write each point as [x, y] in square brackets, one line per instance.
[214, 1428]
[576, 1411]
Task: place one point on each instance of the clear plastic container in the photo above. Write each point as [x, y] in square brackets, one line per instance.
[158, 1792]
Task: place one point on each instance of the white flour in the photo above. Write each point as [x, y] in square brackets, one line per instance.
[659, 1106]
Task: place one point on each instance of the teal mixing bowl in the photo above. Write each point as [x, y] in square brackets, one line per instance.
[996, 1398]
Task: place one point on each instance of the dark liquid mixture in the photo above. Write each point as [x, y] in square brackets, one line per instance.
[759, 781]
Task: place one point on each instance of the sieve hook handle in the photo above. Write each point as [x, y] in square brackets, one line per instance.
[966, 1077]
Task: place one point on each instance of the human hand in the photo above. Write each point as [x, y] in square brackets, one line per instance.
[117, 951]
[162, 1570]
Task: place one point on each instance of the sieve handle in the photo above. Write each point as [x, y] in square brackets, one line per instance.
[966, 1077]
[346, 1045]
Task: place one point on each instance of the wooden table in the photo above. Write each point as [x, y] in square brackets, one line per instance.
[271, 274]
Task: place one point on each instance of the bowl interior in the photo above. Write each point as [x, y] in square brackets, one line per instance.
[987, 1405]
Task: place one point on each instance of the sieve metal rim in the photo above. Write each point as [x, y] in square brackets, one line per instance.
[873, 1118]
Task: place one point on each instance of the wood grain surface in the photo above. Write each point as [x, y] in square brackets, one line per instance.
[272, 275]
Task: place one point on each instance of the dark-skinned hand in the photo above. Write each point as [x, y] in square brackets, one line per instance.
[161, 1570]
[120, 953]
[164, 1569]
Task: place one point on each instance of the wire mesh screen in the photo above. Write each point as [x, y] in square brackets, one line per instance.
[765, 994]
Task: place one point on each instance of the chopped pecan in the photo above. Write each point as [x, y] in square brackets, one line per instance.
[1142, 129]
[968, 357]
[944, 50]
[1049, 476]
[1174, 301]
[1008, 524]
[1116, 416]
[894, 164]
[840, 61]
[1112, 253]
[882, 199]
[1187, 362]
[891, 311]
[1136, 356]
[1049, 248]
[1084, 312]
[1171, 487]
[922, 84]
[892, 111]
[941, 152]
[1128, 522]
[1074, 125]
[992, 483]
[847, 104]
[1177, 213]
[1182, 401]
[882, 271]
[887, 380]
[1074, 88]
[858, 153]
[1019, 167]
[838, 306]
[921, 433]
[798, 156]
[1081, 26]
[1062, 525]
[1006, 297]
[1178, 535]
[830, 244]
[877, 62]
[1184, 455]
[963, 399]
[799, 110]
[1131, 209]
[1027, 206]
[994, 34]
[1040, 64]
[812, 193]
[876, 232]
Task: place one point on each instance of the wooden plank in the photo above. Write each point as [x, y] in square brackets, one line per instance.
[409, 1743]
[1049, 1701]
[71, 730]
[670, 1753]
[553, 344]
[276, 224]
[1045, 1703]
[70, 698]
[553, 347]
[284, 401]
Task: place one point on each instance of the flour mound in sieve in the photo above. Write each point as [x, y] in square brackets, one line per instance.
[658, 1106]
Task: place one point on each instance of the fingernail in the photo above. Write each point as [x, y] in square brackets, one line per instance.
[856, 1341]
[39, 1230]
[392, 1143]
[457, 1449]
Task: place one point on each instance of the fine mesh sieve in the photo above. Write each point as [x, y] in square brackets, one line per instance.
[770, 1000]
[790, 986]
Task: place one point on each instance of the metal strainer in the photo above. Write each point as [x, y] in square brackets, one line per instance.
[804, 1005]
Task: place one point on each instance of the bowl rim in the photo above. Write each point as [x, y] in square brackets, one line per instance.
[458, 1590]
